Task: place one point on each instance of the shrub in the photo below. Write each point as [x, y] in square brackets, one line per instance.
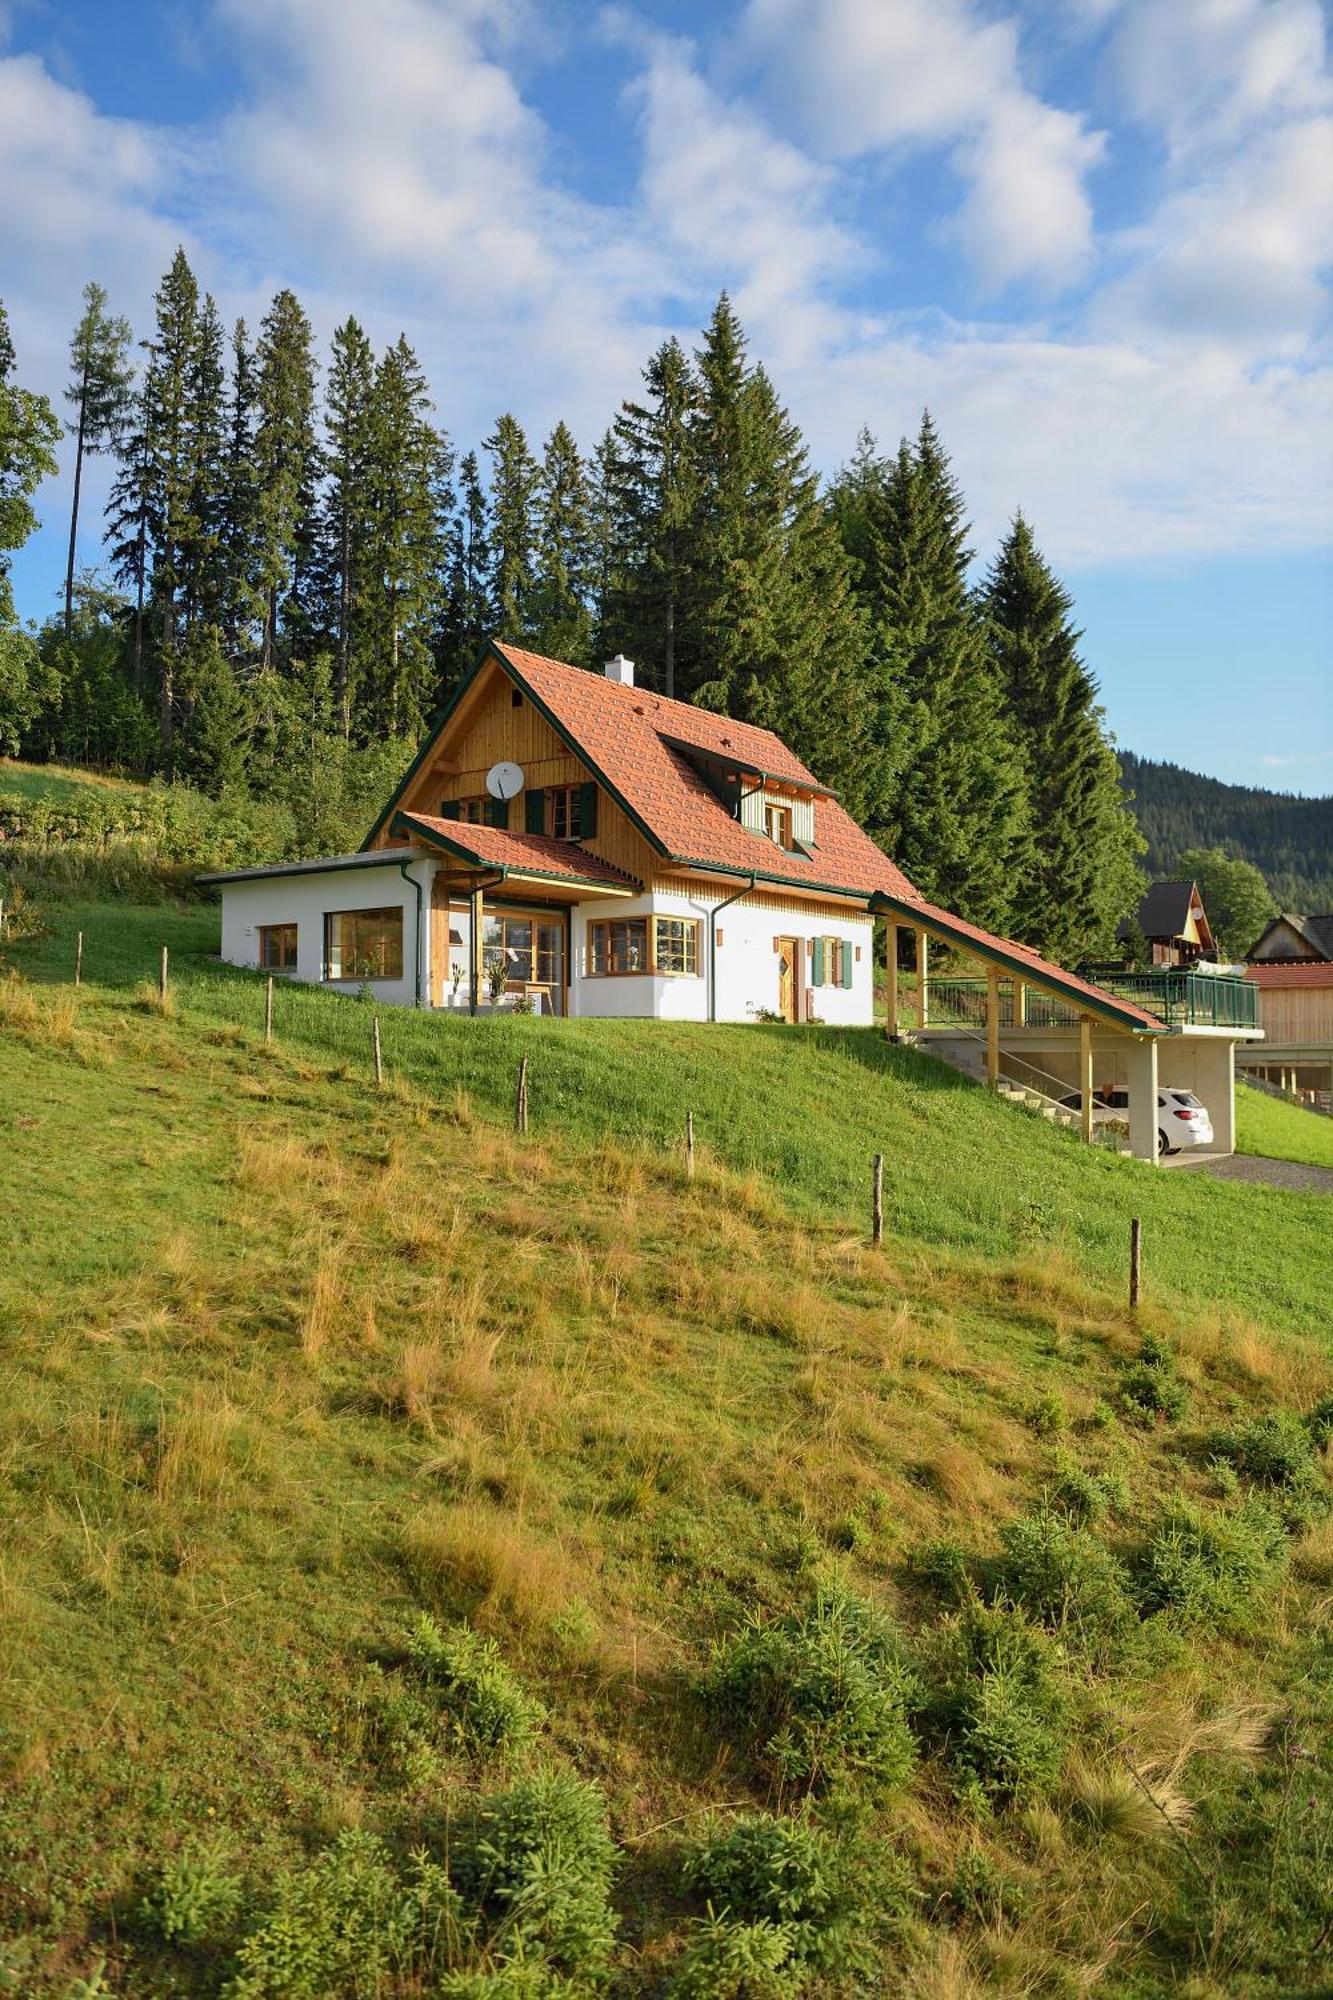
[194, 1897]
[537, 1871]
[1151, 1387]
[818, 1697]
[1083, 1496]
[348, 1924]
[1208, 1563]
[1277, 1451]
[488, 1710]
[946, 1569]
[1046, 1416]
[995, 1711]
[399, 1729]
[1319, 1422]
[981, 1892]
[1063, 1577]
[728, 1960]
[795, 1875]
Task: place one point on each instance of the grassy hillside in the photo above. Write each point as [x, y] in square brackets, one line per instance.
[64, 785]
[1278, 1131]
[1039, 1699]
[1289, 839]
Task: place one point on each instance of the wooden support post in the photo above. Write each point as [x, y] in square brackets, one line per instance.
[1020, 1003]
[992, 1025]
[521, 1098]
[78, 960]
[689, 1145]
[379, 1053]
[162, 976]
[877, 1201]
[1135, 1261]
[922, 979]
[474, 942]
[891, 978]
[268, 1011]
[1085, 1075]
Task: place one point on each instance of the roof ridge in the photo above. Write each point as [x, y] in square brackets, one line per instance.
[619, 689]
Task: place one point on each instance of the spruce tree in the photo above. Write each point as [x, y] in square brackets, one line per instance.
[468, 615]
[514, 475]
[286, 464]
[244, 598]
[129, 520]
[29, 430]
[203, 573]
[656, 498]
[348, 452]
[947, 798]
[560, 618]
[172, 526]
[409, 460]
[1082, 877]
[98, 392]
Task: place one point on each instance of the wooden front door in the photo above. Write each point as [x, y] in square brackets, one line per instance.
[788, 960]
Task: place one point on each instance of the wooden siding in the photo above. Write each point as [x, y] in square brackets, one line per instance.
[1296, 1016]
[1283, 942]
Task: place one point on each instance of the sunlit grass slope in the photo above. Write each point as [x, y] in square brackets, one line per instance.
[1278, 1131]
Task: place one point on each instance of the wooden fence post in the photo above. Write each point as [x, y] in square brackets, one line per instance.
[162, 976]
[877, 1202]
[1135, 1261]
[521, 1098]
[268, 1011]
[689, 1145]
[78, 960]
[379, 1053]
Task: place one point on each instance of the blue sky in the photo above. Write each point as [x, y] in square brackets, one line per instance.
[1094, 235]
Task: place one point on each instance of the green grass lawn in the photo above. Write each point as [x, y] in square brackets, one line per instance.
[1278, 1131]
[806, 1109]
[61, 785]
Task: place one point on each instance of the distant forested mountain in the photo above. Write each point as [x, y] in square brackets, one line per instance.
[1290, 840]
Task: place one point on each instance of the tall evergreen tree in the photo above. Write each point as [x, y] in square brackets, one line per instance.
[203, 573]
[244, 600]
[348, 454]
[514, 476]
[409, 460]
[286, 464]
[947, 798]
[173, 526]
[606, 554]
[29, 430]
[560, 618]
[1083, 874]
[657, 496]
[129, 521]
[468, 614]
[98, 392]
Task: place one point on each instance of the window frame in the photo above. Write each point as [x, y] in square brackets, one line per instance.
[385, 910]
[781, 811]
[265, 932]
[691, 946]
[570, 798]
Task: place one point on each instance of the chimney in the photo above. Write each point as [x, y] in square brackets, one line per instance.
[621, 671]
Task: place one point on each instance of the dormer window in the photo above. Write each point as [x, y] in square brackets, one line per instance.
[777, 824]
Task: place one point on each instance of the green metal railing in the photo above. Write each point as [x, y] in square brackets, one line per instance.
[1180, 998]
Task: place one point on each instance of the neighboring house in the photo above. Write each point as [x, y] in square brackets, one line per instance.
[1173, 922]
[1296, 1015]
[1291, 938]
[569, 843]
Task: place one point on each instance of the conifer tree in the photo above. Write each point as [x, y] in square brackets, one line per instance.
[514, 475]
[243, 606]
[468, 615]
[348, 456]
[656, 495]
[29, 430]
[286, 465]
[1082, 877]
[172, 525]
[560, 618]
[129, 518]
[213, 716]
[203, 579]
[98, 392]
[409, 460]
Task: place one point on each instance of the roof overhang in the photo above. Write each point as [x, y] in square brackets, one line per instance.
[456, 848]
[726, 761]
[334, 864]
[999, 952]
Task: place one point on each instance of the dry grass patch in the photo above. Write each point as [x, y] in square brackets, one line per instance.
[488, 1564]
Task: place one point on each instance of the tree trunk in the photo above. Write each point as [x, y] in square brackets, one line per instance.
[141, 561]
[167, 713]
[74, 510]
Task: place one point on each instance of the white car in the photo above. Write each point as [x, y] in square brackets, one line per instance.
[1181, 1119]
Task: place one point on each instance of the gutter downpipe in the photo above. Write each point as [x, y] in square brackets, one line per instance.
[403, 867]
[713, 916]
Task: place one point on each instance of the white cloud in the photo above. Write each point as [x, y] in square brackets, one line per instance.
[1202, 71]
[865, 77]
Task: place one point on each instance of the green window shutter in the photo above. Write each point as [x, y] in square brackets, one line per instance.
[450, 809]
[817, 964]
[587, 811]
[848, 959]
[534, 810]
[497, 812]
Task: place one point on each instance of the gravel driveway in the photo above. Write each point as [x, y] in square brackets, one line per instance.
[1265, 1173]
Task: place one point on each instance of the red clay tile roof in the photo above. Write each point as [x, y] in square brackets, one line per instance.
[1301, 972]
[622, 731]
[1024, 958]
[524, 853]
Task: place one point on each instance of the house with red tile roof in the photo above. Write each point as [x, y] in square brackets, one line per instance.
[569, 843]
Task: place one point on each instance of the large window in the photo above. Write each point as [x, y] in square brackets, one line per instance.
[668, 945]
[831, 961]
[363, 944]
[277, 947]
[530, 949]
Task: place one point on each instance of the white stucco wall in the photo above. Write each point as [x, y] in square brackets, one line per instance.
[305, 899]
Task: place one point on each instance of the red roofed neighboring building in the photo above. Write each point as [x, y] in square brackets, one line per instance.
[1296, 1015]
[571, 844]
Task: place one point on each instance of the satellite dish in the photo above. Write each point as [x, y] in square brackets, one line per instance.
[504, 781]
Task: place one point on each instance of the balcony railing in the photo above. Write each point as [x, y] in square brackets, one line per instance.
[1180, 998]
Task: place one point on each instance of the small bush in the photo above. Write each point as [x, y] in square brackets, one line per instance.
[981, 1892]
[1319, 1422]
[1151, 1387]
[399, 1729]
[537, 1870]
[1046, 1416]
[1206, 1564]
[819, 1697]
[946, 1569]
[1083, 1496]
[728, 1960]
[786, 1873]
[1277, 1451]
[1067, 1580]
[194, 1898]
[488, 1710]
[996, 1712]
